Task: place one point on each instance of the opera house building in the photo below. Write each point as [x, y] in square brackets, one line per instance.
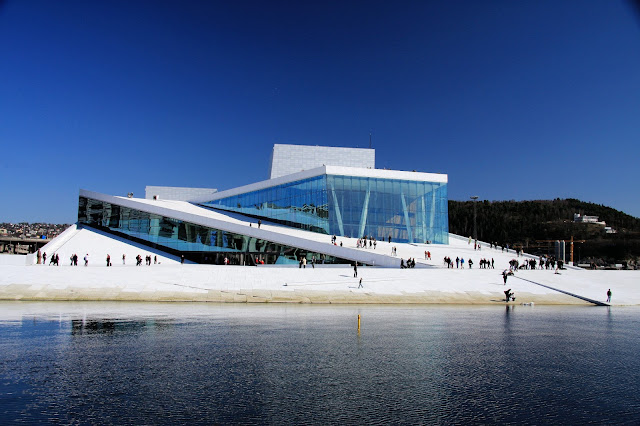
[312, 194]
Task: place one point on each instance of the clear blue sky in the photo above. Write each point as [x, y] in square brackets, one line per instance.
[512, 99]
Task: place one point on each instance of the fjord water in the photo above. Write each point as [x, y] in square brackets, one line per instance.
[136, 363]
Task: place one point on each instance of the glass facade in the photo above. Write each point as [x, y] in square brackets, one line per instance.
[301, 204]
[197, 243]
[352, 206]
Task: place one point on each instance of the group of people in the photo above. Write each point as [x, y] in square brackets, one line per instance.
[411, 263]
[334, 240]
[459, 262]
[543, 263]
[147, 260]
[476, 244]
[302, 263]
[362, 242]
[55, 259]
[486, 263]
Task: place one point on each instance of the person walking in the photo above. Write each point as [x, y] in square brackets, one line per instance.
[608, 295]
[124, 256]
[360, 284]
[355, 270]
[108, 260]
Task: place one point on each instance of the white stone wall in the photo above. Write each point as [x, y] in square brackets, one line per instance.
[288, 159]
[179, 193]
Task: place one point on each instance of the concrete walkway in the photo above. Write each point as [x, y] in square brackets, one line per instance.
[433, 283]
[175, 282]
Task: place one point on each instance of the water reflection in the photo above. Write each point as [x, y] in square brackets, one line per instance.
[112, 326]
[201, 363]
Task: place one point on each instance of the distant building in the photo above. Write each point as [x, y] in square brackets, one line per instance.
[578, 218]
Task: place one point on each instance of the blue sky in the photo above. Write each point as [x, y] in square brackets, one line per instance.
[512, 99]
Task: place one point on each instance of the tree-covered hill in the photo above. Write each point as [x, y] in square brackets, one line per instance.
[531, 223]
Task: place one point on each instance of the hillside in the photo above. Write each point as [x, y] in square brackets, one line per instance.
[530, 223]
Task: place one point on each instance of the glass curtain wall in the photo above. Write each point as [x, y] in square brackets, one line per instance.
[301, 204]
[352, 206]
[406, 211]
[197, 243]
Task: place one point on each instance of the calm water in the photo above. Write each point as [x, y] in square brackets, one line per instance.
[106, 363]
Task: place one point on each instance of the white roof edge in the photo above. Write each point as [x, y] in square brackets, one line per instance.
[387, 174]
[179, 187]
[322, 146]
[333, 170]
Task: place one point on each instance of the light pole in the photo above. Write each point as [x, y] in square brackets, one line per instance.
[475, 230]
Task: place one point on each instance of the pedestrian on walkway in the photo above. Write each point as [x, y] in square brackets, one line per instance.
[355, 270]
[608, 295]
[360, 284]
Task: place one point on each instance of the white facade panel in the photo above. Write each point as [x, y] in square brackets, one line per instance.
[289, 159]
[179, 193]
